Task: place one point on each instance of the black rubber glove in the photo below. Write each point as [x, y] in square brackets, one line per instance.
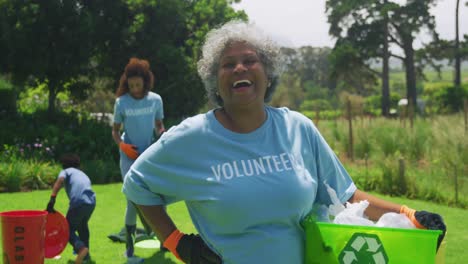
[193, 250]
[432, 221]
[50, 205]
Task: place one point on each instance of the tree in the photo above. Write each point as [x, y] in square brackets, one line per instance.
[451, 50]
[350, 69]
[203, 15]
[364, 24]
[50, 41]
[385, 65]
[457, 80]
[313, 66]
[59, 42]
[169, 35]
[366, 38]
[289, 91]
[406, 21]
[306, 76]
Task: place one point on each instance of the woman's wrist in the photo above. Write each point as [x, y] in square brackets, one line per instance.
[172, 241]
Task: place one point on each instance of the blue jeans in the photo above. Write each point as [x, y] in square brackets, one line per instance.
[78, 218]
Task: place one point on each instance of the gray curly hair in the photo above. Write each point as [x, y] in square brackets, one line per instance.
[238, 31]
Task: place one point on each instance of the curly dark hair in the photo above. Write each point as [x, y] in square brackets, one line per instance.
[136, 68]
[70, 160]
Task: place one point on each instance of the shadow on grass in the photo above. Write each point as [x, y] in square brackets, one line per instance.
[160, 258]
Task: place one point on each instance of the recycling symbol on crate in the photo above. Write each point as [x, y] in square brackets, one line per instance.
[363, 248]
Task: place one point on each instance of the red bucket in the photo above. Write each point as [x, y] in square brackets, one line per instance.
[23, 236]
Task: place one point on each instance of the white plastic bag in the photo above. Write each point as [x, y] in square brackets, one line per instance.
[353, 214]
[394, 220]
[336, 207]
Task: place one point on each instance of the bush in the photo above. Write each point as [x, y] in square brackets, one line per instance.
[65, 132]
[373, 104]
[39, 175]
[432, 89]
[38, 151]
[435, 152]
[323, 115]
[7, 98]
[32, 140]
[393, 182]
[452, 98]
[100, 99]
[11, 176]
[363, 144]
[367, 180]
[33, 99]
[17, 175]
[315, 105]
[443, 97]
[417, 142]
[389, 139]
[356, 101]
[102, 171]
[26, 175]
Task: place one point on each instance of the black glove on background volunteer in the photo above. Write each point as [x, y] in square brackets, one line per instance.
[50, 205]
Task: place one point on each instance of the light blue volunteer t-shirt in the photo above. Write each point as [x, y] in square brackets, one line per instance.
[78, 187]
[246, 193]
[138, 117]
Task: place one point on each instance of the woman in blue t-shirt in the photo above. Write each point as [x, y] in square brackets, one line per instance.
[140, 111]
[248, 173]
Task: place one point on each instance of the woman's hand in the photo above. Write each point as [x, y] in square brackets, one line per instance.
[190, 249]
[50, 205]
[426, 220]
[129, 150]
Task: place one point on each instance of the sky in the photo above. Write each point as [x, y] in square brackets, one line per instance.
[296, 23]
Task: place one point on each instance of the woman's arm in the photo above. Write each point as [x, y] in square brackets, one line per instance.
[159, 127]
[158, 219]
[116, 133]
[188, 248]
[57, 186]
[377, 207]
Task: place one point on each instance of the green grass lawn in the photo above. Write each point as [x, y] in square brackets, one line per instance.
[109, 213]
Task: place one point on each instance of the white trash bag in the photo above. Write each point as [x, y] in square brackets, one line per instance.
[336, 207]
[394, 220]
[353, 214]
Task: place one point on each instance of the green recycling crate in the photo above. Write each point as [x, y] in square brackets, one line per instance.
[328, 243]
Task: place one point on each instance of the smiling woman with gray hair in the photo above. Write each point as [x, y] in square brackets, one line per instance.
[217, 40]
[249, 173]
